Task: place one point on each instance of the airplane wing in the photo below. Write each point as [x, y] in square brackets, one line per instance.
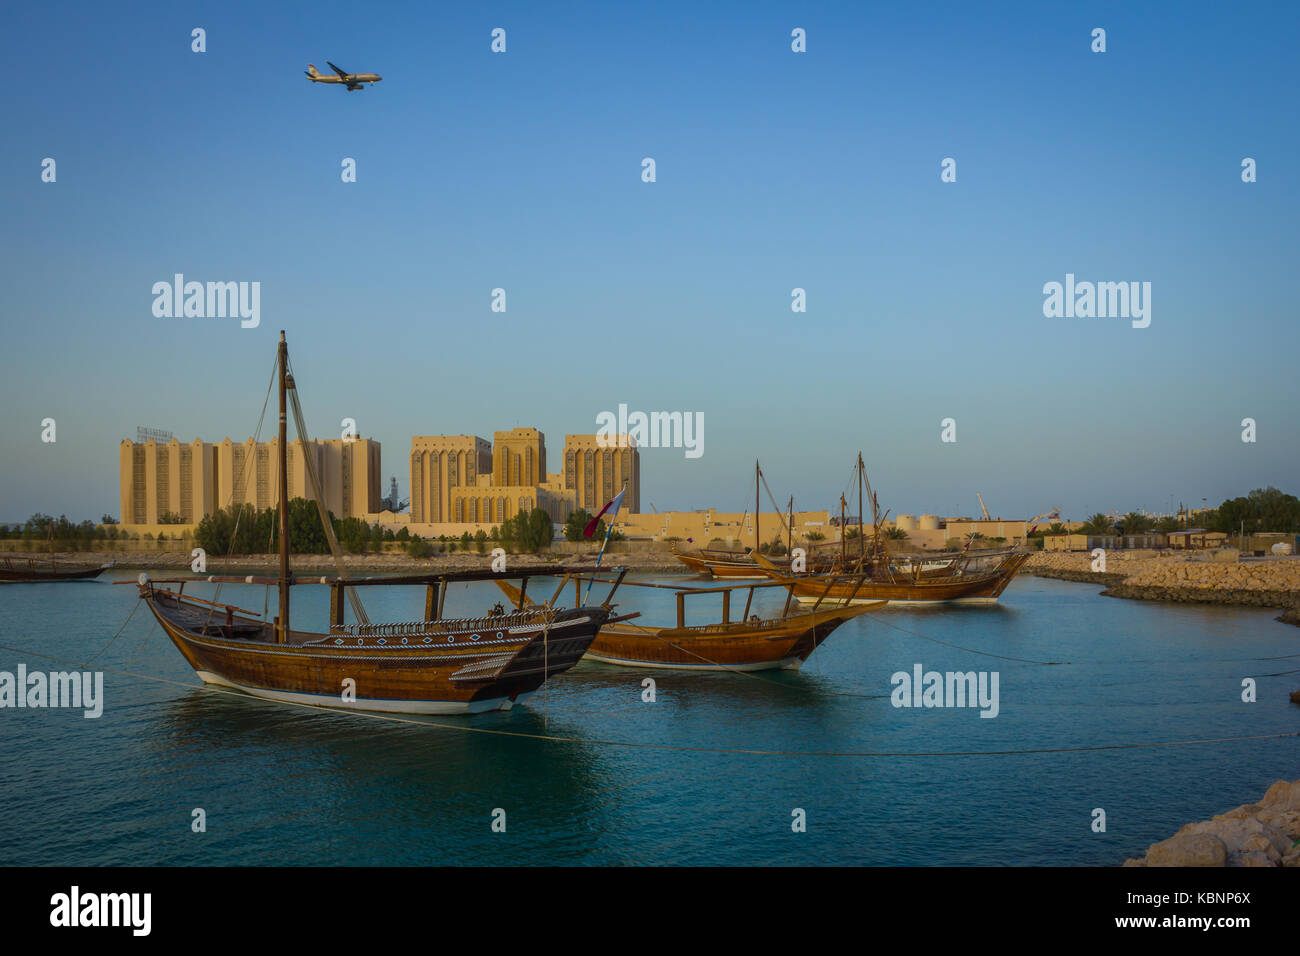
[336, 70]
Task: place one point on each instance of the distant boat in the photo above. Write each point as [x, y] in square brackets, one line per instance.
[721, 563]
[959, 582]
[966, 577]
[429, 666]
[749, 643]
[30, 570]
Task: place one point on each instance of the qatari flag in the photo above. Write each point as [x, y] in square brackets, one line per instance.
[615, 504]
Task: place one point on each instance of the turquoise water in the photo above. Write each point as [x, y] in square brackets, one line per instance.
[284, 785]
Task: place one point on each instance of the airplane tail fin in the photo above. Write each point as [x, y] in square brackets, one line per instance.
[311, 70]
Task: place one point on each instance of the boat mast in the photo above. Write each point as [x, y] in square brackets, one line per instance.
[862, 545]
[789, 529]
[758, 538]
[842, 556]
[282, 632]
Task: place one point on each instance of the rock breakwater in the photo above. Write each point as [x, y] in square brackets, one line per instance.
[1182, 577]
[1255, 834]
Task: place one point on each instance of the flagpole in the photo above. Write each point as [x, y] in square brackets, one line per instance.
[592, 580]
[609, 528]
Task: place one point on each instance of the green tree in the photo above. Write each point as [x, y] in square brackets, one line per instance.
[306, 536]
[576, 521]
[353, 535]
[1135, 523]
[1264, 509]
[417, 547]
[1098, 524]
[540, 529]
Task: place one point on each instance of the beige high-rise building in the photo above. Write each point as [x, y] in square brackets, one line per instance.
[441, 464]
[168, 478]
[518, 458]
[195, 479]
[462, 480]
[595, 471]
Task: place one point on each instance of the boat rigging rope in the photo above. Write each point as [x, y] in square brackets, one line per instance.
[775, 507]
[241, 484]
[115, 636]
[300, 426]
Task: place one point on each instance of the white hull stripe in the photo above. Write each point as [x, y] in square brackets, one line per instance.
[387, 705]
[789, 663]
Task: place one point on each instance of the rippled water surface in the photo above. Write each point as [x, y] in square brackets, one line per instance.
[281, 784]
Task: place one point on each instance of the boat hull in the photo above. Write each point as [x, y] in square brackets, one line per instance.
[442, 667]
[722, 567]
[10, 572]
[442, 707]
[780, 644]
[971, 588]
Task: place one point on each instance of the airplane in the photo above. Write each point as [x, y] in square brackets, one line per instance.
[353, 80]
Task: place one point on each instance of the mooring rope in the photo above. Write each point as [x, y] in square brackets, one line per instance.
[115, 636]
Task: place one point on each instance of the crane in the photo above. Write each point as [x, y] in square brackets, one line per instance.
[982, 508]
[1054, 515]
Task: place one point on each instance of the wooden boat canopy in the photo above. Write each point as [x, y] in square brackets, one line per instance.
[435, 584]
[857, 580]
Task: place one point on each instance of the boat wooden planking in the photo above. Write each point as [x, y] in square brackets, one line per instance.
[719, 565]
[425, 667]
[750, 643]
[959, 586]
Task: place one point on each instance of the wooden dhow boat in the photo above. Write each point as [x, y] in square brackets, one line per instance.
[17, 570]
[434, 665]
[722, 563]
[748, 643]
[429, 666]
[966, 577]
[961, 581]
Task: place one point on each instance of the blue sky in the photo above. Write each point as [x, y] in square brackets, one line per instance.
[775, 170]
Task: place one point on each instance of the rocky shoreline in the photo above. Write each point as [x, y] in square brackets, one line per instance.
[1191, 577]
[1255, 834]
[1139, 592]
[1085, 577]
